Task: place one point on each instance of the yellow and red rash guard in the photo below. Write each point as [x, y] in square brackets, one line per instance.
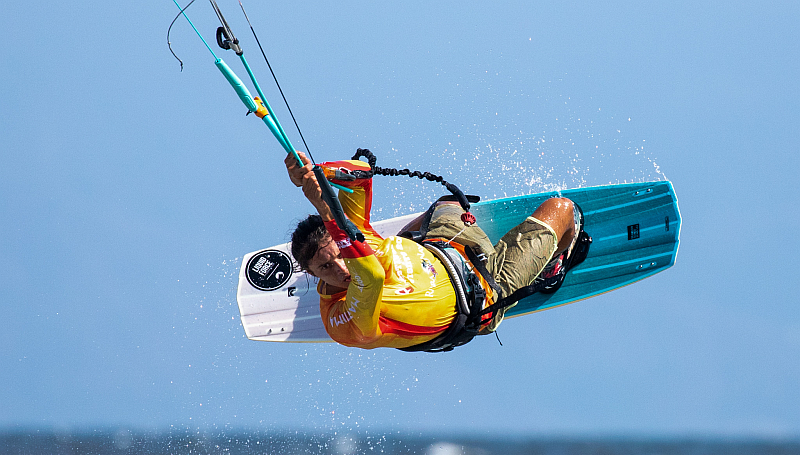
[400, 294]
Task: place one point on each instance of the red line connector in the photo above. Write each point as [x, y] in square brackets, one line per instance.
[468, 218]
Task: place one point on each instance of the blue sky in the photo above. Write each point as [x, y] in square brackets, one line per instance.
[129, 191]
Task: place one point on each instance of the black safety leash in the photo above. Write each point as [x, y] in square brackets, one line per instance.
[463, 200]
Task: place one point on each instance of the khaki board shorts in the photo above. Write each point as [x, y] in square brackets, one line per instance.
[514, 262]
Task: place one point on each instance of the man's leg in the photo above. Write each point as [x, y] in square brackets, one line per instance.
[446, 224]
[524, 251]
[559, 214]
[416, 223]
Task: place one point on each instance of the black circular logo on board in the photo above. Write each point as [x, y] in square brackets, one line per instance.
[269, 270]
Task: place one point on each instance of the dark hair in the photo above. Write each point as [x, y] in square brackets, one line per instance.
[307, 238]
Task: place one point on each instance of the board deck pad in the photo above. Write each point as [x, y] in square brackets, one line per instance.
[635, 230]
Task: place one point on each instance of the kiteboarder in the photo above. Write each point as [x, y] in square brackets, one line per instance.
[435, 285]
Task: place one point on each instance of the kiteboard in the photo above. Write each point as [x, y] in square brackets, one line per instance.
[635, 230]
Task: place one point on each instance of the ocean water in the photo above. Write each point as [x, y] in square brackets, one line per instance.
[40, 442]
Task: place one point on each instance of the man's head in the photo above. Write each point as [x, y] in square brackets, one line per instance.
[317, 253]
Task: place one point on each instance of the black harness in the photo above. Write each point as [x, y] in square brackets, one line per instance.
[470, 296]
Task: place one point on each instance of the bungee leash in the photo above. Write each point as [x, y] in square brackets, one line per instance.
[458, 195]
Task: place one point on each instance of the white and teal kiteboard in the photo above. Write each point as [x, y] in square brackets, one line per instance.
[635, 230]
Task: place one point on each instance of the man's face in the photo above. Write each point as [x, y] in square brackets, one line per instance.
[328, 265]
